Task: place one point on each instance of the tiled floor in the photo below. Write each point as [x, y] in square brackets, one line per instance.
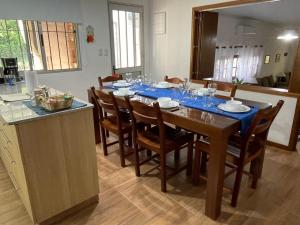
[128, 200]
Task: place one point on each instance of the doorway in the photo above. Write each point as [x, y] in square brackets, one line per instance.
[126, 30]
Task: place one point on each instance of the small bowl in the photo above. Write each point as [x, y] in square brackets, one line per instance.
[163, 101]
[121, 81]
[234, 102]
[123, 91]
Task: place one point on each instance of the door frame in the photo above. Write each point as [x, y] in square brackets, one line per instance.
[120, 5]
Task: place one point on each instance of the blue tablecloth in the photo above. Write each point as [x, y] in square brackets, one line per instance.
[40, 111]
[196, 103]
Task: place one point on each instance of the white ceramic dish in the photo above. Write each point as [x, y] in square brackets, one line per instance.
[234, 102]
[163, 84]
[170, 104]
[202, 91]
[121, 81]
[121, 84]
[234, 108]
[129, 93]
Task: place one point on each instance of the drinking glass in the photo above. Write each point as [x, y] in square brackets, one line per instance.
[128, 77]
[212, 88]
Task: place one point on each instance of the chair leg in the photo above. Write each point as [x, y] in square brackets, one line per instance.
[163, 171]
[203, 162]
[149, 153]
[177, 155]
[130, 139]
[189, 168]
[121, 146]
[104, 144]
[137, 160]
[237, 185]
[196, 169]
[107, 133]
[255, 170]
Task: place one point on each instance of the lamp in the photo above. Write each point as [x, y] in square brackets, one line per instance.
[288, 35]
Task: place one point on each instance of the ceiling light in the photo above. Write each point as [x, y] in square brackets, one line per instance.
[288, 35]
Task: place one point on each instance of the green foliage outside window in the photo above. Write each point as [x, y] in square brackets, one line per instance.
[12, 42]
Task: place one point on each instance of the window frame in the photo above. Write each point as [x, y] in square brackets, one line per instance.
[39, 31]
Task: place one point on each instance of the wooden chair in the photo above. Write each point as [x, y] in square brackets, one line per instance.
[117, 122]
[160, 138]
[225, 87]
[242, 150]
[173, 80]
[109, 79]
[204, 83]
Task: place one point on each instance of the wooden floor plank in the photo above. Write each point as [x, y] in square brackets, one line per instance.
[128, 200]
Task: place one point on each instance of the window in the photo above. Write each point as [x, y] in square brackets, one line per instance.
[235, 66]
[40, 45]
[126, 27]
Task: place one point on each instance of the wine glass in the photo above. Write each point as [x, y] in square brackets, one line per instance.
[212, 88]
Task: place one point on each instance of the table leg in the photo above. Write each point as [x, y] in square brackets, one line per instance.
[216, 168]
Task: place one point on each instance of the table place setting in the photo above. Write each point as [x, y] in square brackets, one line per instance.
[121, 84]
[122, 92]
[170, 97]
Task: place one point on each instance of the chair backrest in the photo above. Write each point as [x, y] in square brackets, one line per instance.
[149, 115]
[109, 79]
[259, 129]
[225, 87]
[204, 83]
[173, 80]
[106, 102]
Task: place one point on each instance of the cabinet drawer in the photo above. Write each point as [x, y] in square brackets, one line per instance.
[9, 133]
[6, 158]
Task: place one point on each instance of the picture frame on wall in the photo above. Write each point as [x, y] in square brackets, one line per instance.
[267, 59]
[277, 58]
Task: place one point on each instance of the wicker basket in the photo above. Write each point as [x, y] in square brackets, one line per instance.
[56, 103]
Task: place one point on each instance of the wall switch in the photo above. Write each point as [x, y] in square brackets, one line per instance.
[106, 52]
[100, 52]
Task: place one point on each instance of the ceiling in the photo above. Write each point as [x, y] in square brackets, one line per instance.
[284, 12]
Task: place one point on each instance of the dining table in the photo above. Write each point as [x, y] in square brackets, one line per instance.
[214, 125]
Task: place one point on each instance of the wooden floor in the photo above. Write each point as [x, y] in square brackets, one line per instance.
[127, 200]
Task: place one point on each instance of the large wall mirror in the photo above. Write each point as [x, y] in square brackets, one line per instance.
[254, 44]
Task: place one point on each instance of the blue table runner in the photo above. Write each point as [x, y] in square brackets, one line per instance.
[196, 103]
[40, 111]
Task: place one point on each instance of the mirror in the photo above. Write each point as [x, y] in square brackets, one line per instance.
[254, 44]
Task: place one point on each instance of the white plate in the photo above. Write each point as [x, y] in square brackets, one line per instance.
[171, 104]
[239, 109]
[117, 93]
[121, 84]
[162, 86]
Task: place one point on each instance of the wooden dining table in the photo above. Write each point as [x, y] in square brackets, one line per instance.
[218, 128]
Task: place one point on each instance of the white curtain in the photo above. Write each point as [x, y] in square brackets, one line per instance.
[223, 64]
[249, 63]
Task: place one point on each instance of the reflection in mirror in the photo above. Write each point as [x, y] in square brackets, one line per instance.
[247, 43]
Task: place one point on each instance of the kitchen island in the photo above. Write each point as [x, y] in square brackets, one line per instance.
[51, 159]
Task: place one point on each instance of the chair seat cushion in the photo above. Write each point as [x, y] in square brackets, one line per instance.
[110, 123]
[174, 138]
[233, 150]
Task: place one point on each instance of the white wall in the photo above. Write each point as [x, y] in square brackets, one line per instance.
[85, 12]
[57, 10]
[170, 52]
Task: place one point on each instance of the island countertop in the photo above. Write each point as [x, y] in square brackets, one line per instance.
[16, 112]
